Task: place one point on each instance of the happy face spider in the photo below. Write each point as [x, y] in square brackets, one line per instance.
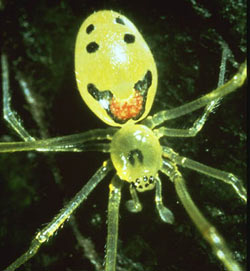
[136, 154]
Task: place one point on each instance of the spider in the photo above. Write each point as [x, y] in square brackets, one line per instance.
[123, 98]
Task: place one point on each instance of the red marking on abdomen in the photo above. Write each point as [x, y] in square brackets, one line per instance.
[127, 109]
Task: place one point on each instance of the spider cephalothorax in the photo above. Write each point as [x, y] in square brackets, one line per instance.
[136, 155]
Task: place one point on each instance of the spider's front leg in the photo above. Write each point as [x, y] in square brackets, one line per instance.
[207, 230]
[113, 218]
[226, 177]
[50, 229]
[134, 206]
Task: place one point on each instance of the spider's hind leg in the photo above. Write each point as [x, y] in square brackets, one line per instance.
[210, 107]
[199, 123]
[210, 101]
[9, 115]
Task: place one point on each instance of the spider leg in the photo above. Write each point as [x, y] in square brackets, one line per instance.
[44, 234]
[9, 115]
[165, 214]
[113, 217]
[74, 143]
[226, 177]
[189, 132]
[207, 230]
[64, 143]
[133, 205]
[199, 123]
[235, 82]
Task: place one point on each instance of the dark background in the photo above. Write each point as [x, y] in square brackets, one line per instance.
[38, 38]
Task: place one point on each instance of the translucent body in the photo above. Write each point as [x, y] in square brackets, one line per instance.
[115, 70]
[136, 155]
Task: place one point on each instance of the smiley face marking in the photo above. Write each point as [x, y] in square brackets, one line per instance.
[115, 70]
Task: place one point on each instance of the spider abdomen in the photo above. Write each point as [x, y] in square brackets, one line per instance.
[115, 69]
[136, 155]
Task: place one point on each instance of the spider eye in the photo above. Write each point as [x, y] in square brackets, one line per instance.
[144, 183]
